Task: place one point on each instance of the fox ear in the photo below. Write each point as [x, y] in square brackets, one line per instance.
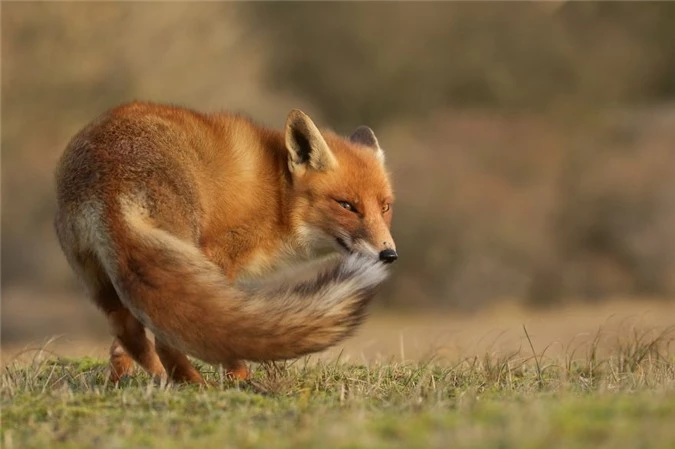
[365, 136]
[305, 144]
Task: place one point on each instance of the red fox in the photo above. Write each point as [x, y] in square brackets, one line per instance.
[175, 221]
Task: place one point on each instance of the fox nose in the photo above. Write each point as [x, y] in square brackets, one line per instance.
[388, 256]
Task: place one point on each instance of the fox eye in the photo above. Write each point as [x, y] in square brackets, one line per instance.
[347, 206]
[385, 208]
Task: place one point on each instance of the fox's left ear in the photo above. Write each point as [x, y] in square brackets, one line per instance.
[306, 146]
[365, 136]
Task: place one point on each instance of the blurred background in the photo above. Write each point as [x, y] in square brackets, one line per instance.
[532, 145]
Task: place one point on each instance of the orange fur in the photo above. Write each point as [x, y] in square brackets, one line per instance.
[175, 219]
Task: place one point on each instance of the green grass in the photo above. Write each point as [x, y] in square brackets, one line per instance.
[624, 400]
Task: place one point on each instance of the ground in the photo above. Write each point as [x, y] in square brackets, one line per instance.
[518, 386]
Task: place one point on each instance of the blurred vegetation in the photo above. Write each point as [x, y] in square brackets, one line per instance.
[531, 143]
[380, 63]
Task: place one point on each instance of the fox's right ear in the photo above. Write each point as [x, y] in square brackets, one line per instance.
[306, 146]
[365, 136]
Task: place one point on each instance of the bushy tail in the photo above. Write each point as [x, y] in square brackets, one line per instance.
[185, 299]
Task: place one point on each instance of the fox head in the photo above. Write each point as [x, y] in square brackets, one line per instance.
[342, 191]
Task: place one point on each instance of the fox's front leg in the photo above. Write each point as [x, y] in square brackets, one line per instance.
[213, 250]
[237, 370]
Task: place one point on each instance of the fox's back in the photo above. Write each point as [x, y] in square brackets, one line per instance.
[196, 174]
[133, 150]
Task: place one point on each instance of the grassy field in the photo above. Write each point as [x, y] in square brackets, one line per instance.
[623, 399]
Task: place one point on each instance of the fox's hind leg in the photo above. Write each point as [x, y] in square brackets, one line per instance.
[121, 364]
[176, 364]
[131, 335]
[180, 369]
[130, 340]
[78, 235]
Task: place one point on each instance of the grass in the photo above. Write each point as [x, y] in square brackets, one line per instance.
[524, 400]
